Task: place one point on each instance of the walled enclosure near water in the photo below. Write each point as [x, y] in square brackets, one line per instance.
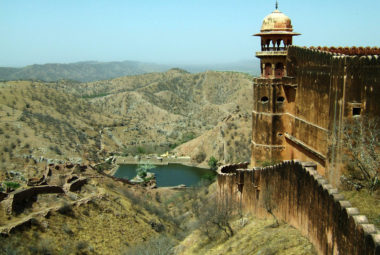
[306, 201]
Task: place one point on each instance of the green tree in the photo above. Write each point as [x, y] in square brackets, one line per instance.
[143, 168]
[213, 163]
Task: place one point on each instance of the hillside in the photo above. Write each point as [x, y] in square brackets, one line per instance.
[66, 121]
[159, 111]
[229, 141]
[151, 113]
[80, 71]
[92, 71]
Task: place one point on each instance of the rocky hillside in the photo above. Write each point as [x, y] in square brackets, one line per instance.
[229, 141]
[81, 210]
[93, 70]
[150, 113]
[81, 71]
[159, 111]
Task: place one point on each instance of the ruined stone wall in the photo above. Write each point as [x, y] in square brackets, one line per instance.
[305, 200]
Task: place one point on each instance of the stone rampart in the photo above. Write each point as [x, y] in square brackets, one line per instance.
[302, 198]
[18, 200]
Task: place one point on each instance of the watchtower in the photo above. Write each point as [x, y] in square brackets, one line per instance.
[269, 95]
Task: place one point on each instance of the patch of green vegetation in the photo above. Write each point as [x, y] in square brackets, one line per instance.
[367, 203]
[210, 177]
[141, 150]
[213, 163]
[11, 185]
[143, 169]
[269, 162]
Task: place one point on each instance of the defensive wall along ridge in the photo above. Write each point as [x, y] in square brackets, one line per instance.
[305, 200]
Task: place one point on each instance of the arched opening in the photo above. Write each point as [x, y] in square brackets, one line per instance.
[267, 44]
[279, 70]
[268, 70]
[280, 99]
[278, 44]
[288, 42]
[264, 100]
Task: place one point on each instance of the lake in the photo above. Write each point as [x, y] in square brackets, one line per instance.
[168, 175]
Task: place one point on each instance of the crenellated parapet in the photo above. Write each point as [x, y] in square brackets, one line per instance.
[325, 56]
[351, 51]
[304, 199]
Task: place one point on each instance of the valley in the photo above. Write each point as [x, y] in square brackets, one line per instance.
[57, 124]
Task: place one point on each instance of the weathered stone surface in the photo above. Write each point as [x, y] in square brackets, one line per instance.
[339, 83]
[329, 221]
[19, 200]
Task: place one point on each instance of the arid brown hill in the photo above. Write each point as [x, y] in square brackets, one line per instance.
[145, 113]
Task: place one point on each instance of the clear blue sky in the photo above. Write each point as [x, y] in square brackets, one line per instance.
[170, 31]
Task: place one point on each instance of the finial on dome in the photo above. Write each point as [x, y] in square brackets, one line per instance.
[276, 5]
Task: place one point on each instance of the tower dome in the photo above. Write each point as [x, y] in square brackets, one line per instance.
[276, 21]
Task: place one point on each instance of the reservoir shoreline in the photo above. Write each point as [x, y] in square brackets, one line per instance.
[154, 160]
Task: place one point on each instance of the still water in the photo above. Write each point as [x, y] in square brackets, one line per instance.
[168, 175]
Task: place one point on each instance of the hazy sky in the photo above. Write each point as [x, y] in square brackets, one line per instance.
[171, 31]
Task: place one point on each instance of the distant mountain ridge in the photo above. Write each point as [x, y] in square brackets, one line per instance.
[80, 71]
[88, 71]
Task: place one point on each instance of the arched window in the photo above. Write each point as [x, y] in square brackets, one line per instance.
[267, 44]
[278, 44]
[279, 70]
[264, 100]
[280, 99]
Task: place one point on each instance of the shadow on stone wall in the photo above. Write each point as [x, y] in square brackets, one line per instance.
[306, 201]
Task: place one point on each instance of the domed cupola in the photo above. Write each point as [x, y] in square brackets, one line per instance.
[276, 21]
[276, 32]
[276, 36]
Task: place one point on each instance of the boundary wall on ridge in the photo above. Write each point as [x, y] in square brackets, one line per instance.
[306, 201]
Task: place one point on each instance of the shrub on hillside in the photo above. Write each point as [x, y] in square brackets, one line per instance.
[162, 245]
[213, 163]
[9, 186]
[200, 157]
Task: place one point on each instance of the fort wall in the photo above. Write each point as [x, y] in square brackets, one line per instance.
[306, 111]
[304, 199]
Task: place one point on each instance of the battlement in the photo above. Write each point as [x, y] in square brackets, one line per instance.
[349, 51]
[326, 56]
[304, 199]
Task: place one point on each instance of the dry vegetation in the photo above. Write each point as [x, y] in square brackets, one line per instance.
[71, 121]
[200, 115]
[67, 121]
[128, 219]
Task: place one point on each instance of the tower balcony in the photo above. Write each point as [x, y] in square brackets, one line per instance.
[271, 53]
